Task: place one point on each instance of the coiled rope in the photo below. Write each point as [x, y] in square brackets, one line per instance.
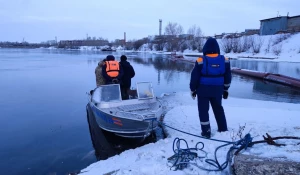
[183, 156]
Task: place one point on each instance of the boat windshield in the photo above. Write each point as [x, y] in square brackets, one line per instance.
[144, 90]
[108, 93]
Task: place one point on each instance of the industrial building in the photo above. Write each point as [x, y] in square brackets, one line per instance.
[281, 24]
[64, 43]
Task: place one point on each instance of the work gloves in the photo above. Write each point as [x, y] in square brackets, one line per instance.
[225, 94]
[193, 94]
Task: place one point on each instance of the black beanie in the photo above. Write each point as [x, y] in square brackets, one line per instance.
[123, 58]
[110, 58]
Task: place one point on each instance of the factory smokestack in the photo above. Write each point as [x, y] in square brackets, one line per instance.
[124, 38]
[160, 21]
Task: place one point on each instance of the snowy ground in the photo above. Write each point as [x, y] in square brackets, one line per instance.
[260, 117]
[289, 47]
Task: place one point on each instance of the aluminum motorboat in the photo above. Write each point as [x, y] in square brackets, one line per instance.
[135, 117]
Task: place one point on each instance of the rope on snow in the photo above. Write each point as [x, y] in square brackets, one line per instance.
[182, 156]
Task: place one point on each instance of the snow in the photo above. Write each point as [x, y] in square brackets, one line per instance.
[290, 49]
[93, 48]
[258, 117]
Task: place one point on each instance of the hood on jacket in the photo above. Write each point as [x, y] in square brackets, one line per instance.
[211, 46]
[123, 58]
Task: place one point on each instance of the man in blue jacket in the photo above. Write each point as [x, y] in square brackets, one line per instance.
[210, 80]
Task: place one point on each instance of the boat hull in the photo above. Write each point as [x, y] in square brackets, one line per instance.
[123, 127]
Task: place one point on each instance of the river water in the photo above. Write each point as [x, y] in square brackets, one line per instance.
[43, 120]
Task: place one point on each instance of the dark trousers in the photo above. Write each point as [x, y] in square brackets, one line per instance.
[124, 93]
[203, 108]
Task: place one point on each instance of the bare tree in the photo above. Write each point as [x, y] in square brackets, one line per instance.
[150, 45]
[236, 45]
[267, 50]
[226, 44]
[246, 43]
[197, 41]
[281, 37]
[159, 43]
[277, 49]
[173, 44]
[129, 44]
[256, 43]
[195, 31]
[180, 30]
[240, 44]
[138, 43]
[183, 47]
[173, 29]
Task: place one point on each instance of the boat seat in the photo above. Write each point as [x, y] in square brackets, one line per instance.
[136, 107]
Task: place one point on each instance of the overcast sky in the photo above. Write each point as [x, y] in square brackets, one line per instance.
[41, 20]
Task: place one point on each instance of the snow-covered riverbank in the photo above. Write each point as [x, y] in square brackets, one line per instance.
[258, 117]
[280, 47]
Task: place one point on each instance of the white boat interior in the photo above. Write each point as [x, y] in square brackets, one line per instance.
[145, 106]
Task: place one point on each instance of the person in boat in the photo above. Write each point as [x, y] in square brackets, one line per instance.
[210, 80]
[129, 73]
[98, 72]
[112, 71]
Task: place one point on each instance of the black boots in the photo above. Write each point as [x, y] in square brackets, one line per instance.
[205, 127]
[206, 134]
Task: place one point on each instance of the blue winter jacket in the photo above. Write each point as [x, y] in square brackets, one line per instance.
[211, 74]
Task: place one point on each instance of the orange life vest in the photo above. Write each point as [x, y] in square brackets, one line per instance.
[112, 68]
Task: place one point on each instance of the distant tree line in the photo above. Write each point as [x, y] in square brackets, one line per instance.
[253, 43]
[173, 39]
[7, 44]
